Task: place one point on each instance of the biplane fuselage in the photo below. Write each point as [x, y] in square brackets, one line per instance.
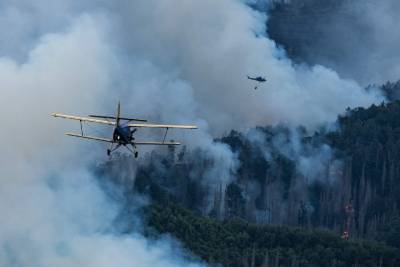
[123, 132]
[123, 135]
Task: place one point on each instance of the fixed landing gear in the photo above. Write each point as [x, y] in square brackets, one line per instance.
[112, 149]
[133, 150]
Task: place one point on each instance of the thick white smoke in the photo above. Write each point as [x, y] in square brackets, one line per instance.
[52, 211]
[357, 38]
[67, 221]
[212, 46]
[171, 61]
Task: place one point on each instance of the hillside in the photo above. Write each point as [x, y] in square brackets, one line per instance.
[346, 179]
[238, 243]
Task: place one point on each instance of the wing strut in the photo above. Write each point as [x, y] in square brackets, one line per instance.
[80, 121]
[165, 135]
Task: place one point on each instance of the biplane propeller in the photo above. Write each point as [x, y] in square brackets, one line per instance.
[123, 133]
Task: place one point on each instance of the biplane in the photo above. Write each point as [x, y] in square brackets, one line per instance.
[124, 130]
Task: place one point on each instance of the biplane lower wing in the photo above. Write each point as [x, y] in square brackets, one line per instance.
[157, 143]
[90, 137]
[134, 143]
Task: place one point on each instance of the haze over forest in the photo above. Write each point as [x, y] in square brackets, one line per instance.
[303, 171]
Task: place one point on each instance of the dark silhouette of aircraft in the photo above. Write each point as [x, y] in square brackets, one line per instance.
[257, 79]
[123, 131]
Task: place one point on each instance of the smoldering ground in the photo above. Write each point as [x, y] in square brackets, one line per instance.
[178, 62]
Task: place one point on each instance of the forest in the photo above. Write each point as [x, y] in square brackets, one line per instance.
[239, 243]
[291, 199]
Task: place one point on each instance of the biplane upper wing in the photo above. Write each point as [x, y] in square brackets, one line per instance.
[169, 126]
[90, 137]
[77, 118]
[157, 143]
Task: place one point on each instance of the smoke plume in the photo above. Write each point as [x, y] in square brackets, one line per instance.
[52, 211]
[168, 61]
[358, 39]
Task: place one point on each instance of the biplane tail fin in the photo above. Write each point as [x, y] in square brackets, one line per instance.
[117, 118]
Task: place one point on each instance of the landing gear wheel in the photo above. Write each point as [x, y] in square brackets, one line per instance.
[108, 152]
[136, 154]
